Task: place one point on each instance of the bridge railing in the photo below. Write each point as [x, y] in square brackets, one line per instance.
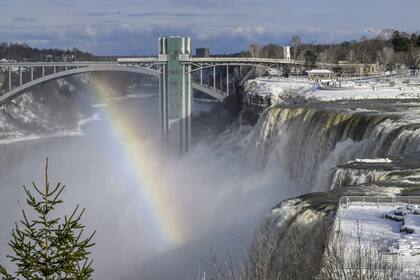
[241, 59]
[347, 201]
[57, 64]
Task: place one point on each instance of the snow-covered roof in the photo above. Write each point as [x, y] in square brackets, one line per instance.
[320, 71]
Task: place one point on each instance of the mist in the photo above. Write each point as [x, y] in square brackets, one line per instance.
[219, 190]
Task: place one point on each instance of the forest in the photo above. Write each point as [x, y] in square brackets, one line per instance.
[390, 48]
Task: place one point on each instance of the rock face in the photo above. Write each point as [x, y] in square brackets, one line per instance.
[57, 105]
[63, 104]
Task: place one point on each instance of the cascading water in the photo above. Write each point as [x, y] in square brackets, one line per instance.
[309, 140]
[399, 171]
[343, 177]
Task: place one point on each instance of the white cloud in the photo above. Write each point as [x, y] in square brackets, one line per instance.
[224, 25]
[250, 32]
[90, 31]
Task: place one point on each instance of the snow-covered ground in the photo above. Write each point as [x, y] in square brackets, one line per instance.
[367, 222]
[372, 160]
[363, 93]
[279, 89]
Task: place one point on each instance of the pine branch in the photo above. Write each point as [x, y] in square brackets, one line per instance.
[5, 275]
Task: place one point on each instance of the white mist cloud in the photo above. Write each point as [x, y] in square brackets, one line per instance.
[221, 194]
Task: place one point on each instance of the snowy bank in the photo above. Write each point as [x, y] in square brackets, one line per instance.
[278, 90]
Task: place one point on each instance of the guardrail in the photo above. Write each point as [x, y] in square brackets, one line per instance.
[241, 60]
[58, 64]
[346, 201]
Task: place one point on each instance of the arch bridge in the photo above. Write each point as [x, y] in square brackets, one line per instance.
[176, 68]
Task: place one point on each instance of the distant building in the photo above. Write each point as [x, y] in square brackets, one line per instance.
[68, 57]
[320, 75]
[202, 52]
[49, 58]
[346, 69]
[286, 52]
[4, 60]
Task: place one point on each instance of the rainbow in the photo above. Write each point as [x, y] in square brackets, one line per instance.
[144, 165]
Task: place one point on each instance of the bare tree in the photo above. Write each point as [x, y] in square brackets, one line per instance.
[302, 254]
[274, 256]
[351, 56]
[386, 34]
[359, 259]
[387, 58]
[296, 44]
[255, 50]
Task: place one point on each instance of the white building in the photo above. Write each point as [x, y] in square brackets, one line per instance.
[321, 75]
[286, 52]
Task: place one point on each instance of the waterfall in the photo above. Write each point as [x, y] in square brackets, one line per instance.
[308, 141]
[356, 176]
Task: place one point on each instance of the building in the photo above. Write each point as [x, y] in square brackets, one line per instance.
[202, 52]
[49, 58]
[4, 60]
[320, 75]
[68, 57]
[346, 69]
[286, 52]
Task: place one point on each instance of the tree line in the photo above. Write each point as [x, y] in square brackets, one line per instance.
[23, 52]
[390, 48]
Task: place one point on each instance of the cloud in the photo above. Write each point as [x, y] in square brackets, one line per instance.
[133, 26]
[90, 31]
[250, 32]
[164, 14]
[98, 14]
[36, 42]
[132, 39]
[223, 25]
[23, 19]
[200, 3]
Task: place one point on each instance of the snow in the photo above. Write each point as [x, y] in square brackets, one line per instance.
[279, 88]
[363, 93]
[373, 160]
[320, 71]
[413, 221]
[368, 223]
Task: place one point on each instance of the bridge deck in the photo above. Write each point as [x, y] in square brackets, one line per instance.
[215, 60]
[145, 65]
[241, 60]
[57, 64]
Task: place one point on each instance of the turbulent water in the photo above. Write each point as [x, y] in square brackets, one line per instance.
[310, 140]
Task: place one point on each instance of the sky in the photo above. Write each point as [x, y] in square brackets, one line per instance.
[131, 27]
